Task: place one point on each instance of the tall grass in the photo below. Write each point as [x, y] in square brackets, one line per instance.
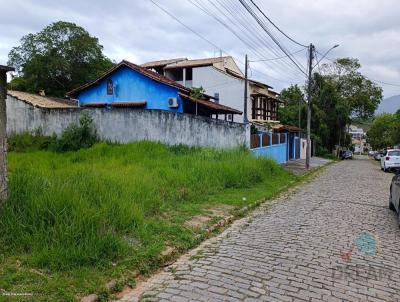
[103, 204]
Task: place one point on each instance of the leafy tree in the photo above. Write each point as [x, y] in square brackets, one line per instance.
[57, 59]
[340, 94]
[331, 113]
[197, 92]
[395, 129]
[381, 133]
[292, 99]
[361, 95]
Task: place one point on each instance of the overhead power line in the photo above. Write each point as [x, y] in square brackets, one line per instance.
[274, 25]
[385, 83]
[371, 79]
[184, 25]
[279, 58]
[251, 37]
[263, 26]
[208, 41]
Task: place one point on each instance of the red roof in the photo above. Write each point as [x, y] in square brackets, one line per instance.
[144, 71]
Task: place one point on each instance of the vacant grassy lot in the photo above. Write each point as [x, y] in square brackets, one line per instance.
[77, 220]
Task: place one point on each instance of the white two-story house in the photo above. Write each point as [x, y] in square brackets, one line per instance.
[222, 78]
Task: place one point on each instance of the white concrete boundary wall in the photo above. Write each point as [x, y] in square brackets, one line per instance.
[128, 125]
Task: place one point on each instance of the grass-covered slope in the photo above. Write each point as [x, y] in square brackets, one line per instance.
[76, 220]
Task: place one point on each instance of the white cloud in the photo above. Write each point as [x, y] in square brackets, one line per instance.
[139, 31]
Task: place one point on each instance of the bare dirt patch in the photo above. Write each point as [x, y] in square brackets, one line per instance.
[201, 221]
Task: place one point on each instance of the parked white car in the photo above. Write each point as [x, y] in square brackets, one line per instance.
[394, 199]
[390, 160]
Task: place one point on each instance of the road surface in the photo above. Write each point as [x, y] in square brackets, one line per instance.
[333, 239]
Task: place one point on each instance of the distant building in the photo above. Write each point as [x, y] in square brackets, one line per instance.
[358, 139]
[222, 79]
[356, 133]
[131, 86]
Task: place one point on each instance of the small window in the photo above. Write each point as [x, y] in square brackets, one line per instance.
[110, 87]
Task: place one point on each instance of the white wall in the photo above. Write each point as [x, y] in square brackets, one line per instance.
[128, 125]
[303, 148]
[230, 89]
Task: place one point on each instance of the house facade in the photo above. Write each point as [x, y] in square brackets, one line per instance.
[356, 133]
[222, 79]
[131, 86]
[358, 139]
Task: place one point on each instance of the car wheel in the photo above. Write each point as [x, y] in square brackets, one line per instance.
[398, 218]
[391, 205]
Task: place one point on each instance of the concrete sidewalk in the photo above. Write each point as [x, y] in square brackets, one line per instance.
[299, 166]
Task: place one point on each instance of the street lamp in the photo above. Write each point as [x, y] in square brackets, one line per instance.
[329, 50]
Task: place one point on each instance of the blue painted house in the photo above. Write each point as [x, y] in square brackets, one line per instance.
[130, 86]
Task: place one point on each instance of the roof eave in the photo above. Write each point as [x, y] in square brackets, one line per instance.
[74, 92]
[6, 68]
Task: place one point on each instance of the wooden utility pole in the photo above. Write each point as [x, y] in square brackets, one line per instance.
[310, 68]
[246, 84]
[3, 134]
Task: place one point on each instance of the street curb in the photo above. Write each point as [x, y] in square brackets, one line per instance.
[171, 256]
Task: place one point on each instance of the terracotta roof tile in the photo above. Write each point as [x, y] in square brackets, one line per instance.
[195, 63]
[161, 63]
[146, 72]
[41, 101]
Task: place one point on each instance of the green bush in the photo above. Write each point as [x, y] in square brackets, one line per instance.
[75, 137]
[28, 141]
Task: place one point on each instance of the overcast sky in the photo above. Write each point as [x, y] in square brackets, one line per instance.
[139, 31]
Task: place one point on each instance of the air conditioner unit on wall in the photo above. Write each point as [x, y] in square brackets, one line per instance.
[173, 103]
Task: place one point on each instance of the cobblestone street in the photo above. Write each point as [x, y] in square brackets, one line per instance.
[333, 239]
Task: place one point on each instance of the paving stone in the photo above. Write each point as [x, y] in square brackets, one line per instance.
[302, 247]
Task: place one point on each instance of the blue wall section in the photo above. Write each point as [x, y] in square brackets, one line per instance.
[276, 152]
[132, 86]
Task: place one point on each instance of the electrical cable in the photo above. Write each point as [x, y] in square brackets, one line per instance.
[207, 11]
[273, 24]
[271, 35]
[213, 44]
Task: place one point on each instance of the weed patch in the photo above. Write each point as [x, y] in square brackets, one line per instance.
[87, 217]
